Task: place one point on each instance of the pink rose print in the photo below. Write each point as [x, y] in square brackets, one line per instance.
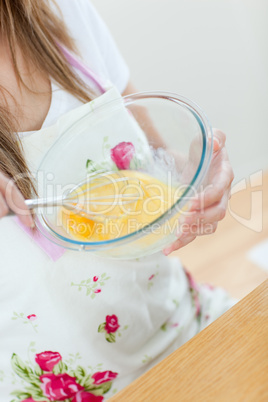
[122, 154]
[74, 385]
[164, 327]
[58, 387]
[110, 328]
[84, 396]
[31, 317]
[92, 285]
[111, 324]
[151, 280]
[29, 400]
[47, 360]
[104, 376]
[26, 319]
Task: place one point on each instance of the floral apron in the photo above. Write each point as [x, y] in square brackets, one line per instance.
[76, 327]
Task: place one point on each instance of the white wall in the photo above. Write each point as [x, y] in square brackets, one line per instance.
[212, 51]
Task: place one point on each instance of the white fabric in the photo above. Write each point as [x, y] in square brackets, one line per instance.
[94, 41]
[97, 49]
[105, 319]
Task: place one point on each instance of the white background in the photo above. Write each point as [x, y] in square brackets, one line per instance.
[211, 51]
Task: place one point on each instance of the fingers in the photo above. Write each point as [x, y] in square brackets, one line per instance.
[214, 213]
[209, 197]
[199, 228]
[12, 199]
[205, 222]
[187, 237]
[199, 224]
[220, 182]
[209, 206]
[178, 244]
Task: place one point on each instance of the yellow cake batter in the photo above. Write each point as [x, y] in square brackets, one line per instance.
[126, 205]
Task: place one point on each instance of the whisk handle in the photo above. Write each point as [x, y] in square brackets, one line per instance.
[40, 202]
[43, 202]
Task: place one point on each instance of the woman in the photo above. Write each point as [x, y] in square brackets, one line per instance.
[79, 328]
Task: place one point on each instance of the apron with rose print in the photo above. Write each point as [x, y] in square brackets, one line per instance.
[77, 327]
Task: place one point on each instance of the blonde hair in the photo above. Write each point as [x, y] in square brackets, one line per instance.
[32, 26]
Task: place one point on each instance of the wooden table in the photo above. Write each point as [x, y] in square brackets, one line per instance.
[227, 361]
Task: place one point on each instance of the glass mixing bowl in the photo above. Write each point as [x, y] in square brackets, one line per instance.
[171, 139]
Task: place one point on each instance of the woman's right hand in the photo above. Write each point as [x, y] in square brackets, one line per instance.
[12, 199]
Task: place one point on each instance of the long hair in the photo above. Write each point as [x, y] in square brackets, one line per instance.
[34, 28]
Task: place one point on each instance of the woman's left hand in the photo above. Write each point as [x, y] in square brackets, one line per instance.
[209, 207]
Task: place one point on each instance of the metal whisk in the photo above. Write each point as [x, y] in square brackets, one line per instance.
[81, 199]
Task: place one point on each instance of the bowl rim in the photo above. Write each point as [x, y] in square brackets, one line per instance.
[206, 132]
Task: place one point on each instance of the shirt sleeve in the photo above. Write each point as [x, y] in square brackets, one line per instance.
[94, 41]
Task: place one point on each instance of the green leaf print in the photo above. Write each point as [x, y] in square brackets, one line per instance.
[146, 359]
[164, 327]
[98, 367]
[102, 389]
[26, 319]
[107, 164]
[107, 386]
[80, 373]
[89, 163]
[110, 337]
[151, 279]
[60, 368]
[93, 286]
[111, 328]
[38, 371]
[98, 382]
[176, 302]
[73, 358]
[16, 380]
[102, 327]
[21, 395]
[86, 382]
[92, 166]
[37, 395]
[22, 370]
